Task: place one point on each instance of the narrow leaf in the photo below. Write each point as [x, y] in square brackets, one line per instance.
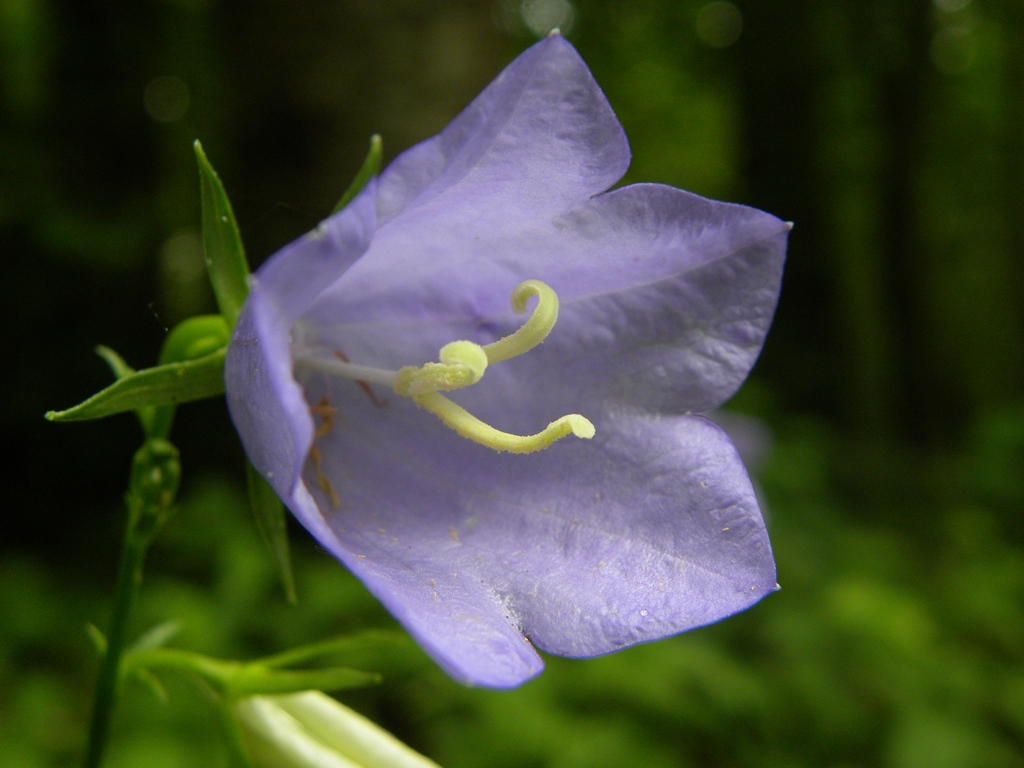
[273, 526]
[118, 366]
[97, 638]
[162, 385]
[152, 682]
[155, 636]
[370, 168]
[222, 242]
[152, 419]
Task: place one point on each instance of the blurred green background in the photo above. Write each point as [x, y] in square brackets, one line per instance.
[889, 131]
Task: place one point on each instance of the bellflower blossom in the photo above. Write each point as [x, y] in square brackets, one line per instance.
[648, 527]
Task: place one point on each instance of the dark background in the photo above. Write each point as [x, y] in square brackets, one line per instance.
[892, 384]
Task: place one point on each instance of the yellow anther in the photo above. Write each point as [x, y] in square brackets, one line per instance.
[470, 427]
[534, 330]
[462, 363]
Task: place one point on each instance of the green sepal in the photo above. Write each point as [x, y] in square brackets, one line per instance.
[222, 242]
[370, 168]
[273, 526]
[235, 679]
[254, 679]
[394, 652]
[163, 385]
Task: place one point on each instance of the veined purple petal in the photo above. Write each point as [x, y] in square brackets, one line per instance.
[294, 277]
[541, 136]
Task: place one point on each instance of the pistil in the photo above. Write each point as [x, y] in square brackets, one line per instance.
[462, 364]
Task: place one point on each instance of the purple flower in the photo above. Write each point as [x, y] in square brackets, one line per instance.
[649, 528]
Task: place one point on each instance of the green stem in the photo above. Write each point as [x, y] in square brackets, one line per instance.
[152, 488]
[129, 579]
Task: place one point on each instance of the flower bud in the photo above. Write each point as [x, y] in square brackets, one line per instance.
[313, 730]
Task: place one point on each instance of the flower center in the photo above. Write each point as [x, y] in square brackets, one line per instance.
[463, 363]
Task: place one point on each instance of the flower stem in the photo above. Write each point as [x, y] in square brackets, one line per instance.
[129, 578]
[152, 488]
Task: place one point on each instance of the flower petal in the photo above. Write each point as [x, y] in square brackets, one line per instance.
[266, 404]
[648, 530]
[540, 137]
[295, 276]
[683, 312]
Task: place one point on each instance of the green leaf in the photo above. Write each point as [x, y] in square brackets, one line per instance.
[162, 385]
[222, 242]
[370, 168]
[155, 422]
[273, 525]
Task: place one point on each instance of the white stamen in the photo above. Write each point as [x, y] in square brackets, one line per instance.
[336, 367]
